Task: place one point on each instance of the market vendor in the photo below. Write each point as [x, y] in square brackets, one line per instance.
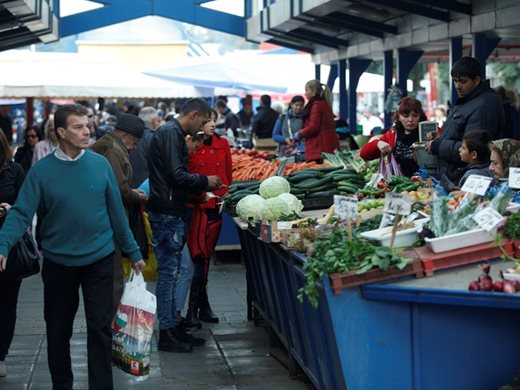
[505, 153]
[399, 139]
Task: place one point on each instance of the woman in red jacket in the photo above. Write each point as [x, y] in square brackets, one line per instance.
[319, 129]
[213, 157]
[399, 139]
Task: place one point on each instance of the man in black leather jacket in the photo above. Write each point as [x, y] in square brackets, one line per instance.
[170, 189]
[265, 118]
[478, 107]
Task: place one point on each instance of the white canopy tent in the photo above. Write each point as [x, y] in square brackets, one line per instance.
[69, 75]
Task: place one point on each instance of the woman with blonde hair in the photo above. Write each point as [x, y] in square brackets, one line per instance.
[319, 129]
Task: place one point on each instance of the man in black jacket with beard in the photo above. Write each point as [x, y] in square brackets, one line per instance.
[170, 189]
[478, 107]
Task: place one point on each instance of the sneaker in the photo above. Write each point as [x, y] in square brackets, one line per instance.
[3, 370]
[180, 334]
[169, 343]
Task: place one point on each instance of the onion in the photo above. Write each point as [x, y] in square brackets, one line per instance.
[474, 286]
[498, 286]
[486, 285]
[509, 287]
[486, 277]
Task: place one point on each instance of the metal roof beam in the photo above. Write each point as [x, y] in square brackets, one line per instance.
[415, 9]
[320, 39]
[365, 23]
[338, 22]
[290, 45]
[448, 5]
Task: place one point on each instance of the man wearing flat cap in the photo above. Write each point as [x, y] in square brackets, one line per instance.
[114, 146]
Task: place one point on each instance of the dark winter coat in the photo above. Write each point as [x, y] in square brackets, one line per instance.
[264, 121]
[479, 110]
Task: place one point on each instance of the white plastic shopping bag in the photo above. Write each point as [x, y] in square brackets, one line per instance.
[133, 327]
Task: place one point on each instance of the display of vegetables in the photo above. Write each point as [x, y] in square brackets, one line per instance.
[485, 283]
[335, 252]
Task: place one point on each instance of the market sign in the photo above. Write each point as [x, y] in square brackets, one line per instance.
[345, 206]
[477, 184]
[397, 203]
[488, 218]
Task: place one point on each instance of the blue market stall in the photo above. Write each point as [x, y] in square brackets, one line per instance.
[429, 333]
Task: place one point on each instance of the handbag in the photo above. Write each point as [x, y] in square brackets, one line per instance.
[388, 166]
[23, 259]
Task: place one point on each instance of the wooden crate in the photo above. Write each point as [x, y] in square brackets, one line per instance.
[457, 257]
[340, 281]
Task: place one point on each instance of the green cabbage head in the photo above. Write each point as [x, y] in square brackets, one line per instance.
[294, 205]
[250, 207]
[274, 208]
[274, 186]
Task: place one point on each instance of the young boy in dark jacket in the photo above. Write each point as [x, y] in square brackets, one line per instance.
[475, 152]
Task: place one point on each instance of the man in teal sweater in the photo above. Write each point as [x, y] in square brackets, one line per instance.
[77, 196]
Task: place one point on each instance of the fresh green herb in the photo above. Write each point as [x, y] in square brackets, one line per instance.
[333, 252]
[512, 226]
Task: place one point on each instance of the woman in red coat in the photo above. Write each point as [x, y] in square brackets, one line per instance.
[399, 139]
[319, 129]
[213, 157]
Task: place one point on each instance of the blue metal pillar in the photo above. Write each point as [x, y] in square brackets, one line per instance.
[356, 67]
[317, 72]
[483, 46]
[388, 73]
[343, 97]
[406, 60]
[333, 74]
[455, 55]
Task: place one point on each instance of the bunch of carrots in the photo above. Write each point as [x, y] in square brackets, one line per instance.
[252, 168]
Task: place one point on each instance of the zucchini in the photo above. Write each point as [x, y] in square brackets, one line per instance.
[304, 176]
[239, 195]
[325, 187]
[328, 169]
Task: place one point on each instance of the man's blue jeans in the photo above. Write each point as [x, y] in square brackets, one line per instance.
[168, 236]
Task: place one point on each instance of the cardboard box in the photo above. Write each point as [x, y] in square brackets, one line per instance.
[272, 231]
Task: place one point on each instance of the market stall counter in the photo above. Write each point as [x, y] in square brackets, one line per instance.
[409, 333]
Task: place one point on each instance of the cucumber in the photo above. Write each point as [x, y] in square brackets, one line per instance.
[328, 169]
[348, 189]
[321, 194]
[239, 195]
[325, 187]
[297, 191]
[309, 184]
[304, 176]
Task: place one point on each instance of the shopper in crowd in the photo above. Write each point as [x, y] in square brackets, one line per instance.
[213, 157]
[478, 107]
[346, 140]
[246, 113]
[287, 125]
[77, 195]
[440, 116]
[139, 156]
[114, 146]
[230, 120]
[24, 154]
[47, 145]
[265, 118]
[6, 124]
[511, 113]
[170, 188]
[11, 178]
[505, 154]
[319, 129]
[371, 123]
[474, 151]
[398, 140]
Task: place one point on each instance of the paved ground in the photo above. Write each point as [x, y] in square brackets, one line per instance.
[237, 355]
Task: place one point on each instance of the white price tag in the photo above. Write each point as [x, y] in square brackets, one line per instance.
[514, 177]
[345, 206]
[477, 184]
[488, 218]
[375, 179]
[386, 220]
[396, 203]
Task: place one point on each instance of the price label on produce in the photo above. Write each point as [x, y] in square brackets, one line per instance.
[396, 203]
[345, 206]
[477, 184]
[514, 177]
[375, 179]
[488, 218]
